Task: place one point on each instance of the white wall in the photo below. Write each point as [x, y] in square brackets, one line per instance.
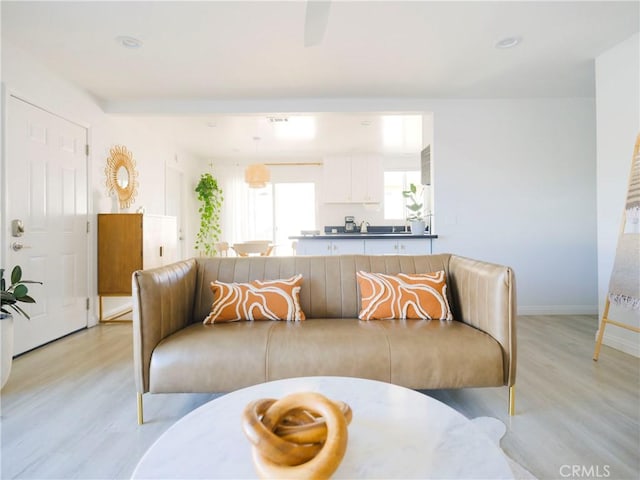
[618, 122]
[153, 155]
[27, 78]
[515, 184]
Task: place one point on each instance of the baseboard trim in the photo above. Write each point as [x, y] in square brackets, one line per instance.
[115, 313]
[625, 345]
[558, 310]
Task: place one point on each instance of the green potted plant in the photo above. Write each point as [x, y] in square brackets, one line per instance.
[211, 197]
[16, 292]
[415, 197]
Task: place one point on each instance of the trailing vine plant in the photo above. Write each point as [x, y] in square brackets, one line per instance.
[210, 194]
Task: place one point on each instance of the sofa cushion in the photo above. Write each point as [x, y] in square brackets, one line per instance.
[403, 296]
[441, 354]
[327, 346]
[411, 353]
[256, 300]
[210, 358]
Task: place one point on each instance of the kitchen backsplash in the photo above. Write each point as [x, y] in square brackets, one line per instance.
[333, 214]
[328, 229]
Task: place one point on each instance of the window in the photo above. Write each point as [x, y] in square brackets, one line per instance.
[394, 184]
[281, 210]
[260, 213]
[294, 210]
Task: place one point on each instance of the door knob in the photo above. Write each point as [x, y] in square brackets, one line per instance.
[17, 246]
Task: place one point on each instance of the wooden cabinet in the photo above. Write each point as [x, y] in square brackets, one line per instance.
[128, 242]
[353, 179]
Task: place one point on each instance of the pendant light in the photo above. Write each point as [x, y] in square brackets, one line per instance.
[257, 175]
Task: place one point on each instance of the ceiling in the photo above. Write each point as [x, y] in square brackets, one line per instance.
[304, 137]
[223, 51]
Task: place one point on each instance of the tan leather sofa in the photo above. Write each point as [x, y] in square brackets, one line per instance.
[175, 353]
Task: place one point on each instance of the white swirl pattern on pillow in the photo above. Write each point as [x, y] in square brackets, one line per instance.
[404, 296]
[256, 300]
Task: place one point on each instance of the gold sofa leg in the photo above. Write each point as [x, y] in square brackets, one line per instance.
[140, 418]
[512, 400]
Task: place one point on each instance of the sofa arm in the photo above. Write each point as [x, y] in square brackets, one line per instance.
[484, 296]
[162, 304]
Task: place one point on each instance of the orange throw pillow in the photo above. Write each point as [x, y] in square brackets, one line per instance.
[402, 296]
[256, 300]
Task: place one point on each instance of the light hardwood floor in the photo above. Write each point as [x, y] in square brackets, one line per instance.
[68, 410]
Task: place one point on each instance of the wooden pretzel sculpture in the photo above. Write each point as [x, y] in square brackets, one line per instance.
[301, 436]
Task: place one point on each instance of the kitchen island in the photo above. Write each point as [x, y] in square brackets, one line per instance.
[364, 243]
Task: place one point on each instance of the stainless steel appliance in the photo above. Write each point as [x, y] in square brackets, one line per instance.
[349, 224]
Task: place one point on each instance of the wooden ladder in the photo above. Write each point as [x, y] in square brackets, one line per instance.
[605, 315]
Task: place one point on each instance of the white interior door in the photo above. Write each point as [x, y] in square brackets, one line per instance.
[47, 190]
[174, 205]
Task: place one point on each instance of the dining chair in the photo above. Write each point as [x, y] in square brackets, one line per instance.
[222, 248]
[253, 247]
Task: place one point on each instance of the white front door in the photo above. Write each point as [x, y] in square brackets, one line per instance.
[46, 168]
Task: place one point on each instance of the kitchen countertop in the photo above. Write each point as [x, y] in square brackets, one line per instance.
[360, 236]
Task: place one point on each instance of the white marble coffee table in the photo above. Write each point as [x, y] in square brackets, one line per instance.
[395, 433]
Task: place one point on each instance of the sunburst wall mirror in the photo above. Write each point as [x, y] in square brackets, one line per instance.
[122, 177]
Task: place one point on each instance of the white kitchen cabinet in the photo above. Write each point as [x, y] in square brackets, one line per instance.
[313, 247]
[394, 246]
[329, 247]
[368, 246]
[367, 179]
[346, 247]
[380, 247]
[353, 179]
[336, 174]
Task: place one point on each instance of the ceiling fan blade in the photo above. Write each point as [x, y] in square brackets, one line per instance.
[315, 22]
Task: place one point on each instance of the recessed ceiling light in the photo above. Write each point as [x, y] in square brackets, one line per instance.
[129, 42]
[508, 42]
